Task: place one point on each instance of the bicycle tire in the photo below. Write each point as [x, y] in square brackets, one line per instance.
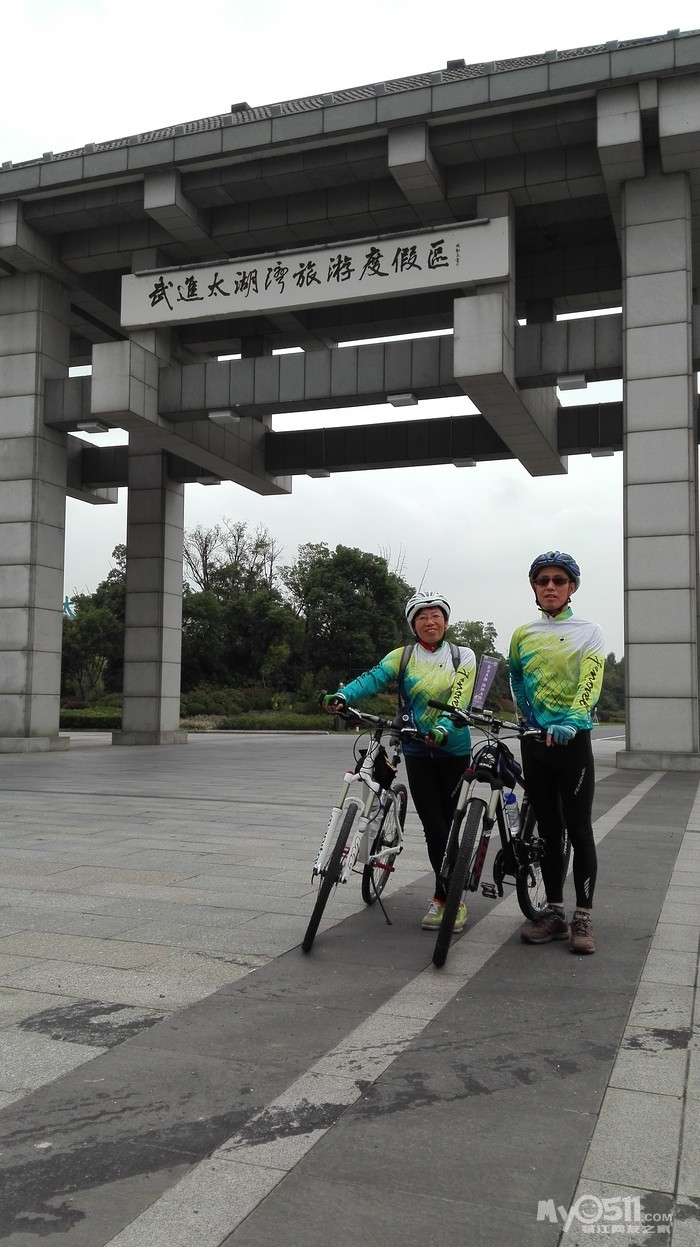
[529, 885]
[376, 877]
[330, 877]
[474, 814]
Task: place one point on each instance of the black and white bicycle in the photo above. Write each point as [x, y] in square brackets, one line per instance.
[493, 772]
[365, 830]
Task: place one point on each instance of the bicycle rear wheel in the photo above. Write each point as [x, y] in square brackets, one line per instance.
[529, 851]
[330, 876]
[458, 881]
[385, 846]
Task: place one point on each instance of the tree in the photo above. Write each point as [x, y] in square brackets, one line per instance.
[254, 622]
[89, 641]
[203, 640]
[352, 605]
[201, 550]
[229, 556]
[110, 596]
[482, 638]
[612, 695]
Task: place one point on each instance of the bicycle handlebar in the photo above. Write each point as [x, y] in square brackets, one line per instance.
[485, 718]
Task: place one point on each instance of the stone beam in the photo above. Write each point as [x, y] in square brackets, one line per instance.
[25, 251]
[444, 439]
[75, 484]
[343, 377]
[620, 142]
[417, 173]
[124, 394]
[679, 144]
[591, 347]
[679, 124]
[462, 440]
[484, 367]
[165, 203]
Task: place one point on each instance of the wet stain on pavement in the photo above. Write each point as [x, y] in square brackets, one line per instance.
[40, 1190]
[498, 1073]
[658, 1037]
[91, 1023]
[688, 1210]
[285, 1122]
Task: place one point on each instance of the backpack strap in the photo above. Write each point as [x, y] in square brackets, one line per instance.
[407, 651]
[405, 658]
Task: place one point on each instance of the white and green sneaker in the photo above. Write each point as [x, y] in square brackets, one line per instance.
[461, 917]
[433, 917]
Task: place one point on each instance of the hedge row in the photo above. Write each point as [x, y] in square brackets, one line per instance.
[251, 721]
[101, 720]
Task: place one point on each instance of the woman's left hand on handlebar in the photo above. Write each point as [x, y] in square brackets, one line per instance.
[333, 703]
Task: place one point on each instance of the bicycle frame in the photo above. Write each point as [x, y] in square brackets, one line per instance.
[374, 811]
[373, 795]
[492, 798]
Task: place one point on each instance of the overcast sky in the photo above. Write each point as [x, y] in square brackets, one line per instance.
[79, 71]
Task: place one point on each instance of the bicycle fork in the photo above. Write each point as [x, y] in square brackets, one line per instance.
[328, 841]
[487, 889]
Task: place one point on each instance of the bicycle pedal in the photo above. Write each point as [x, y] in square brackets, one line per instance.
[489, 889]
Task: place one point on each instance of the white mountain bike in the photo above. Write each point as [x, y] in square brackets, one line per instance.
[365, 829]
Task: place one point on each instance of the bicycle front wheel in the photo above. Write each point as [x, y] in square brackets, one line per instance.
[385, 846]
[475, 811]
[529, 850]
[330, 876]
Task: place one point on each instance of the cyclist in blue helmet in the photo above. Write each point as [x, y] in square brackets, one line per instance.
[556, 671]
[430, 669]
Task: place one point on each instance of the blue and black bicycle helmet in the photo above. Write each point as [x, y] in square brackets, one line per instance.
[555, 558]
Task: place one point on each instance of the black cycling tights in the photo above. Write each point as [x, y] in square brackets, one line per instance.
[434, 784]
[560, 782]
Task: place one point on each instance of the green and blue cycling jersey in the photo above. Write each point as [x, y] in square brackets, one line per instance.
[429, 676]
[556, 670]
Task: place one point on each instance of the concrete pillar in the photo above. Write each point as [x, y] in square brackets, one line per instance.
[152, 644]
[34, 345]
[660, 477]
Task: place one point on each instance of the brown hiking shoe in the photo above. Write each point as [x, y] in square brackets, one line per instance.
[551, 925]
[582, 938]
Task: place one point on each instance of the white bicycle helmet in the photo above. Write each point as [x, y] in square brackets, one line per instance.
[420, 600]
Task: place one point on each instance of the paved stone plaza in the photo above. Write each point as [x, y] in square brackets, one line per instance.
[174, 1071]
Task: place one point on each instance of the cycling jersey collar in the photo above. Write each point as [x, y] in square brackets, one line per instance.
[432, 648]
[566, 613]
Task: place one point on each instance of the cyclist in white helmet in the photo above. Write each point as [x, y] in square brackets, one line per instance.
[556, 672]
[432, 669]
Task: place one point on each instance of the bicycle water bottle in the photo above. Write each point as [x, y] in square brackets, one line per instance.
[512, 811]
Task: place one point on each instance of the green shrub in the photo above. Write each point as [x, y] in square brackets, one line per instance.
[206, 699]
[257, 698]
[276, 721]
[94, 718]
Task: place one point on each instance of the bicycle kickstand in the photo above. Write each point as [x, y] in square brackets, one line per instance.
[381, 906]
